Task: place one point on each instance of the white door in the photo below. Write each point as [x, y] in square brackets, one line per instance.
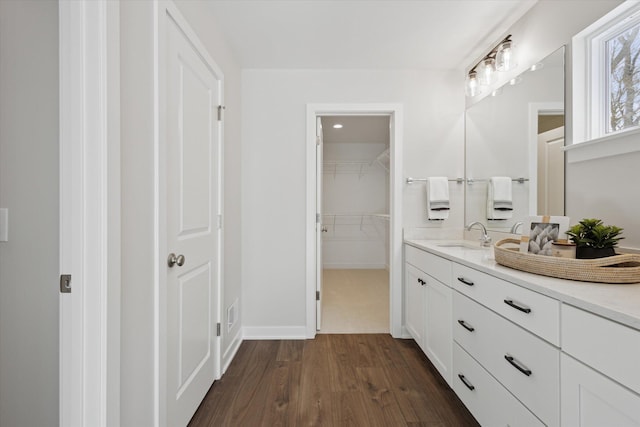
[415, 303]
[438, 332]
[551, 172]
[319, 226]
[193, 94]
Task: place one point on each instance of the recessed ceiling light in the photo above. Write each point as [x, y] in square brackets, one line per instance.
[337, 126]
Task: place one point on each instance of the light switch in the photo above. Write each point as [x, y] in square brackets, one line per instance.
[4, 225]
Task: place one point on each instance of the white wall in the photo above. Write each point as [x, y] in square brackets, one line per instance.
[274, 162]
[351, 240]
[29, 189]
[137, 196]
[606, 188]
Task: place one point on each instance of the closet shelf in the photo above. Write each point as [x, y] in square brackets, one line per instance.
[383, 159]
[354, 167]
[355, 226]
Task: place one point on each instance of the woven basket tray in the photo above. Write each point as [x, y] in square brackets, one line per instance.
[614, 269]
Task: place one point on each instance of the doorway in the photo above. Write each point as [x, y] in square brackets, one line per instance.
[551, 164]
[355, 224]
[315, 166]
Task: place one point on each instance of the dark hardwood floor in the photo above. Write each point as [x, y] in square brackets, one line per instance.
[333, 380]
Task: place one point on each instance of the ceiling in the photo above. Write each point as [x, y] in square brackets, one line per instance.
[356, 129]
[343, 34]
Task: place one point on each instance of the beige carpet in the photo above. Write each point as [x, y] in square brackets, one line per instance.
[355, 301]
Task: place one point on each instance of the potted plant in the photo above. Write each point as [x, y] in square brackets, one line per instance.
[593, 239]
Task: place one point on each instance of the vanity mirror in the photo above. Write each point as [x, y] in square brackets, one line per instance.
[518, 132]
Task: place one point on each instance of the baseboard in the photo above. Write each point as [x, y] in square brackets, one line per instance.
[405, 333]
[274, 332]
[228, 355]
[355, 266]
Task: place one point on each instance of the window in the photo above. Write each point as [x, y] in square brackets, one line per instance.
[622, 56]
[606, 82]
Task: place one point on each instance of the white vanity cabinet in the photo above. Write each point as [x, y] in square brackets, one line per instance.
[600, 372]
[428, 306]
[526, 351]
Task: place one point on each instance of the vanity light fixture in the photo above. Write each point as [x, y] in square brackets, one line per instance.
[472, 86]
[487, 71]
[504, 56]
[500, 58]
[337, 126]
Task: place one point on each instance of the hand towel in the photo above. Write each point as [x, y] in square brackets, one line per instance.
[499, 198]
[437, 198]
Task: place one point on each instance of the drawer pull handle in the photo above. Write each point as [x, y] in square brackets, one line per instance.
[466, 382]
[465, 281]
[522, 308]
[517, 365]
[467, 327]
[422, 282]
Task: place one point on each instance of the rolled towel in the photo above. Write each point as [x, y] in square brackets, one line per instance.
[437, 198]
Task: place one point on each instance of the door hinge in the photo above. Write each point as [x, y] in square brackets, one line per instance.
[220, 108]
[317, 295]
[317, 218]
[219, 222]
[318, 139]
[218, 329]
[65, 283]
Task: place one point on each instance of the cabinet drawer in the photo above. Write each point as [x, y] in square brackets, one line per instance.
[531, 310]
[435, 266]
[489, 402]
[523, 363]
[608, 347]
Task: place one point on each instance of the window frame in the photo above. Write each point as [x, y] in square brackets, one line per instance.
[590, 101]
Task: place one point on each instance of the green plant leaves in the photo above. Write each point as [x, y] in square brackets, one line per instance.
[593, 233]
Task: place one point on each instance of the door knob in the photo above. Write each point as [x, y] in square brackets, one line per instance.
[175, 259]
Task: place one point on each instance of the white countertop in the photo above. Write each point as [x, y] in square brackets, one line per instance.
[620, 303]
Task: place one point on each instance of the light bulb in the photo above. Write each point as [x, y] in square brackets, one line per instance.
[504, 56]
[472, 87]
[487, 71]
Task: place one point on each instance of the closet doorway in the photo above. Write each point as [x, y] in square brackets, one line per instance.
[355, 224]
[316, 172]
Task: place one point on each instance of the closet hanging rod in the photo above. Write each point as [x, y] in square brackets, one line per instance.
[412, 180]
[518, 180]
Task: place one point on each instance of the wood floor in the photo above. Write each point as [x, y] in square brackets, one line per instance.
[333, 380]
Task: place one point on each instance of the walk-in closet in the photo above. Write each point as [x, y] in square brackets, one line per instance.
[355, 218]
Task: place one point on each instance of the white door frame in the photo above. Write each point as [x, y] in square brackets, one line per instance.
[536, 109]
[90, 212]
[394, 111]
[166, 9]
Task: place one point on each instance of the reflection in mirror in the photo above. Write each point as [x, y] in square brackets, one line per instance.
[518, 133]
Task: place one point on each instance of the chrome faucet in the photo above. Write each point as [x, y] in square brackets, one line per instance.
[485, 240]
[514, 228]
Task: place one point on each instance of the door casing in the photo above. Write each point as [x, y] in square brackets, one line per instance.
[395, 113]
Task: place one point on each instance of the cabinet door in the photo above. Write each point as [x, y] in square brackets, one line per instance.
[414, 303]
[590, 399]
[438, 339]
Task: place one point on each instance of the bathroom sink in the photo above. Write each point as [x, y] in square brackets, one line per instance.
[460, 244]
